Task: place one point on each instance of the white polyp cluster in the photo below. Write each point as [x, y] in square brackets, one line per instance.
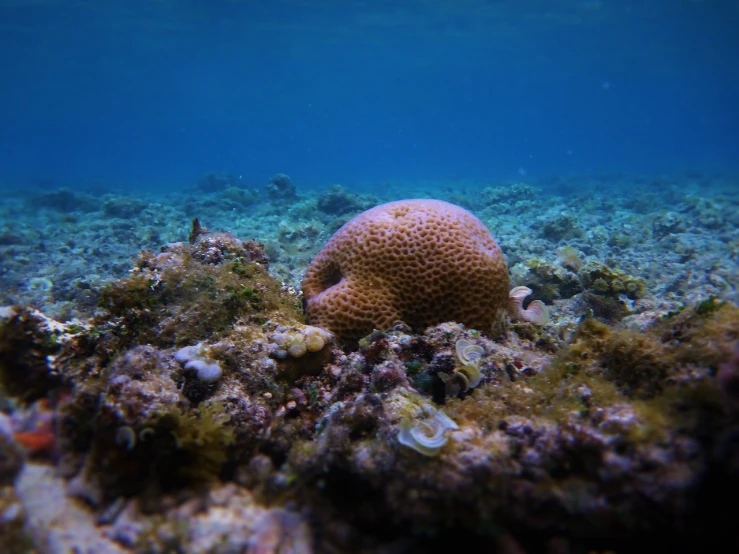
[193, 357]
[296, 342]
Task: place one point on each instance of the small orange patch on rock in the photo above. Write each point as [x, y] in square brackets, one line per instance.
[36, 442]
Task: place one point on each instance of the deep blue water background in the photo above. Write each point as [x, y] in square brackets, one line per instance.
[155, 93]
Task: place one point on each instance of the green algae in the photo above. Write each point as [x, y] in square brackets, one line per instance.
[606, 281]
[169, 450]
[604, 367]
[709, 306]
[176, 299]
[202, 438]
[549, 281]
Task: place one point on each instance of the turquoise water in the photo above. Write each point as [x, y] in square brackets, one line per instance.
[153, 94]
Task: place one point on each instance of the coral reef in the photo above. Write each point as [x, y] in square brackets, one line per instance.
[561, 226]
[64, 200]
[417, 261]
[219, 181]
[567, 444]
[603, 280]
[517, 194]
[338, 201]
[187, 407]
[547, 281]
[186, 293]
[124, 208]
[240, 197]
[280, 187]
[439, 433]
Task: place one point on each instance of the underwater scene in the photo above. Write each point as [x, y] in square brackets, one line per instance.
[369, 276]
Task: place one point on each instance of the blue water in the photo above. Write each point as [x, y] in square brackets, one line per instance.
[148, 93]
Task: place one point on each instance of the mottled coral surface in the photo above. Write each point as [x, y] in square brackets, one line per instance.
[417, 261]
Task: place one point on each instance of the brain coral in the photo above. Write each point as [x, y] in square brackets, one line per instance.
[422, 262]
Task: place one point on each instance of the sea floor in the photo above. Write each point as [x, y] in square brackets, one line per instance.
[680, 234]
[141, 416]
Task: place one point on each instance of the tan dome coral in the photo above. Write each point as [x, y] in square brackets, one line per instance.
[423, 262]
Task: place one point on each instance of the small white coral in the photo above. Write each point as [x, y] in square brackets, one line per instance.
[296, 342]
[426, 436]
[316, 338]
[206, 369]
[536, 312]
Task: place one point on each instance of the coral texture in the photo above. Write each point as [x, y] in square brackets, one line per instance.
[422, 262]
